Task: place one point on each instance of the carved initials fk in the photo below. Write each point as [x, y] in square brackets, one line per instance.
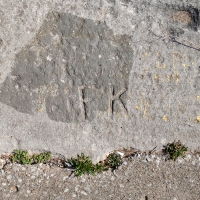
[113, 98]
[83, 101]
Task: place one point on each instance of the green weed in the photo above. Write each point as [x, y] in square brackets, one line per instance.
[21, 157]
[113, 161]
[175, 150]
[42, 157]
[83, 165]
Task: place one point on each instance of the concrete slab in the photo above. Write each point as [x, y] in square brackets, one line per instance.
[94, 76]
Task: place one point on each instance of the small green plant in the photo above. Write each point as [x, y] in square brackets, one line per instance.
[83, 165]
[113, 161]
[175, 150]
[21, 157]
[42, 157]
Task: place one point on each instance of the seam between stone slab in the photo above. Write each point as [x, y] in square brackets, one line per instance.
[146, 156]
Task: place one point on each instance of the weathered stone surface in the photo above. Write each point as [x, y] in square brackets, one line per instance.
[93, 76]
[74, 66]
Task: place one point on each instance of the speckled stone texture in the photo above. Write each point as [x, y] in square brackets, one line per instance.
[94, 76]
[139, 178]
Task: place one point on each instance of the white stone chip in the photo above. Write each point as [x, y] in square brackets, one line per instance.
[84, 193]
[66, 190]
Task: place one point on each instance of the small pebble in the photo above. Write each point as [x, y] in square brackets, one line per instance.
[19, 180]
[188, 157]
[33, 169]
[66, 190]
[23, 168]
[65, 177]
[13, 188]
[112, 178]
[87, 189]
[73, 195]
[124, 163]
[4, 184]
[120, 153]
[120, 167]
[2, 163]
[9, 177]
[180, 160]
[82, 180]
[148, 159]
[84, 193]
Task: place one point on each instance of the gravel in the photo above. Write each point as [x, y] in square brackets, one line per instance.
[139, 177]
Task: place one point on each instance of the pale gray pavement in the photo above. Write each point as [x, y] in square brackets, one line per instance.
[139, 178]
[94, 76]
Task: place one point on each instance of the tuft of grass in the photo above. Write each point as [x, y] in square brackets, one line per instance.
[175, 150]
[113, 160]
[83, 165]
[42, 157]
[21, 157]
